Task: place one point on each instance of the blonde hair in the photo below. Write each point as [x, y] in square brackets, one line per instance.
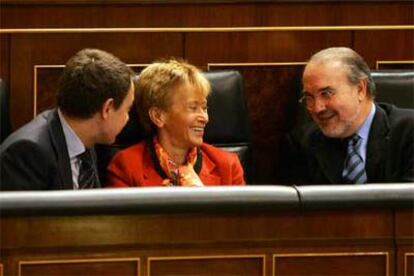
[157, 83]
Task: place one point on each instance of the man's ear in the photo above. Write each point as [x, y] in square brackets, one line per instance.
[107, 107]
[157, 116]
[362, 89]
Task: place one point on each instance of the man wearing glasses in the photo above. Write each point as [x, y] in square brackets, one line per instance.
[352, 139]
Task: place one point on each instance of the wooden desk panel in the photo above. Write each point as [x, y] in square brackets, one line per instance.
[259, 47]
[202, 242]
[376, 45]
[96, 13]
[212, 228]
[80, 267]
[404, 231]
[207, 265]
[332, 263]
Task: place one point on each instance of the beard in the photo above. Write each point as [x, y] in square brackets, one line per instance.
[331, 125]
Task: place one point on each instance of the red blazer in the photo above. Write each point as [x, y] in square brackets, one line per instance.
[133, 167]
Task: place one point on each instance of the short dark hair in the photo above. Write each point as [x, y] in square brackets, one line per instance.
[91, 77]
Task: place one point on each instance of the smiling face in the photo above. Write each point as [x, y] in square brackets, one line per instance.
[181, 125]
[347, 108]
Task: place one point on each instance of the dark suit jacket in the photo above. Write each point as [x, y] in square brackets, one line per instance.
[309, 157]
[134, 167]
[35, 157]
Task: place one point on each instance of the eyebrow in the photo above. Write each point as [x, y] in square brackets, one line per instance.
[325, 88]
[320, 90]
[197, 102]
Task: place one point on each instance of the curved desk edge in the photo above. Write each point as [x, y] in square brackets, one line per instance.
[186, 199]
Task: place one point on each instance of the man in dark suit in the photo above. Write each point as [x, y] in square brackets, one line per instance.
[352, 139]
[55, 150]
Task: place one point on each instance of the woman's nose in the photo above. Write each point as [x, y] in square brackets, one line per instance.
[204, 116]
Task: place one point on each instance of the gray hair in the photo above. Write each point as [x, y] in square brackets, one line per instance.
[356, 65]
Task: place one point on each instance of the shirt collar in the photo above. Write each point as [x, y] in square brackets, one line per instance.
[363, 131]
[74, 144]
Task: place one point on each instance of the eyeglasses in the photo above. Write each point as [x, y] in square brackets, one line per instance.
[309, 100]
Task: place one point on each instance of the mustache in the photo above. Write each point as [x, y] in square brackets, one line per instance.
[324, 114]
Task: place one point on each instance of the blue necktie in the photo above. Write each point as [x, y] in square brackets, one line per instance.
[354, 167]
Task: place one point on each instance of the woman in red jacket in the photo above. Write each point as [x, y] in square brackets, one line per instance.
[172, 106]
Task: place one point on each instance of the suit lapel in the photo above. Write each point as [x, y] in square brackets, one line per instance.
[150, 174]
[207, 173]
[330, 155]
[377, 145]
[59, 144]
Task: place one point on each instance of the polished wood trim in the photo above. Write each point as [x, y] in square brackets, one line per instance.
[379, 62]
[1, 269]
[263, 257]
[73, 261]
[210, 29]
[100, 2]
[406, 255]
[332, 254]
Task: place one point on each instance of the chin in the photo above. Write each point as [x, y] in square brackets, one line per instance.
[334, 132]
[197, 143]
[331, 134]
[108, 141]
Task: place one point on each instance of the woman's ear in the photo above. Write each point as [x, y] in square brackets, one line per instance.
[107, 107]
[157, 116]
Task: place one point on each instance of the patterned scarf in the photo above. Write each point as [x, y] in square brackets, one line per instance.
[177, 175]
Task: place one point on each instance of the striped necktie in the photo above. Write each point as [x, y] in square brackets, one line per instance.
[354, 167]
[87, 175]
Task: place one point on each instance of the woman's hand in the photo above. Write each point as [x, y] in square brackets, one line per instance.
[188, 177]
